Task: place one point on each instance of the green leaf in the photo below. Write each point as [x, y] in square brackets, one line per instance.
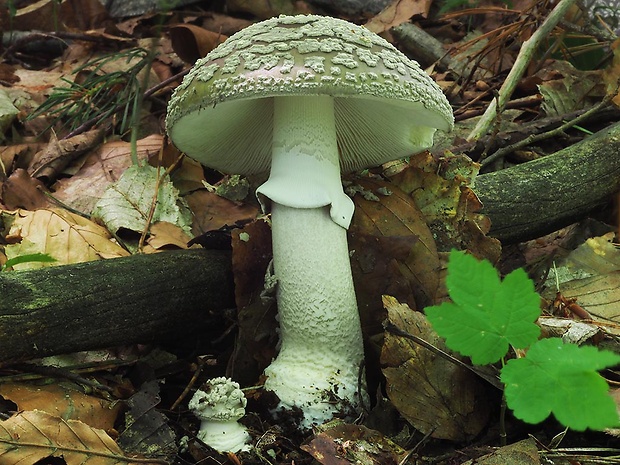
[487, 315]
[562, 379]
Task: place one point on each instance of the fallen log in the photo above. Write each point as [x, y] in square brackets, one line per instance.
[105, 303]
[538, 197]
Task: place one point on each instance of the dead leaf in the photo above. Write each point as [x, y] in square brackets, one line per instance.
[523, 452]
[63, 400]
[34, 435]
[50, 162]
[396, 13]
[20, 190]
[100, 169]
[394, 250]
[611, 74]
[192, 42]
[189, 176]
[211, 211]
[67, 237]
[571, 331]
[163, 234]
[224, 24]
[343, 444]
[433, 394]
[146, 428]
[50, 15]
[568, 89]
[264, 9]
[17, 156]
[143, 195]
[440, 188]
[590, 274]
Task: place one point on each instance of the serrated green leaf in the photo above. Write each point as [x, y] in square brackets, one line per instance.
[487, 315]
[562, 379]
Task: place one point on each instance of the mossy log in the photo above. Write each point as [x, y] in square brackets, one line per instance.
[538, 197]
[138, 299]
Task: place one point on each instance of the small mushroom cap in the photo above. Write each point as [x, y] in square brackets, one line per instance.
[221, 399]
[385, 106]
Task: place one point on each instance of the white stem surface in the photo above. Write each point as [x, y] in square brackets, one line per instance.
[225, 436]
[321, 354]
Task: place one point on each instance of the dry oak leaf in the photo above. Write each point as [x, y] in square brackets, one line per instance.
[34, 435]
[398, 12]
[65, 400]
[341, 444]
[67, 237]
[435, 395]
[404, 242]
[192, 42]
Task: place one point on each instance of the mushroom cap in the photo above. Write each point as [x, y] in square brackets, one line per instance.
[221, 399]
[385, 106]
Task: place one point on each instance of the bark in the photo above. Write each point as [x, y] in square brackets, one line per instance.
[538, 197]
[138, 299]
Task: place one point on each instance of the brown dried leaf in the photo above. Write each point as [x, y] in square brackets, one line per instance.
[189, 176]
[523, 452]
[50, 162]
[67, 237]
[440, 188]
[16, 156]
[344, 444]
[20, 190]
[63, 400]
[396, 13]
[34, 435]
[49, 15]
[100, 169]
[590, 274]
[433, 394]
[611, 74]
[211, 211]
[192, 42]
[163, 234]
[394, 249]
[264, 9]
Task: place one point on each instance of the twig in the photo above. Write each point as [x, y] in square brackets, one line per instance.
[61, 36]
[533, 138]
[59, 372]
[525, 54]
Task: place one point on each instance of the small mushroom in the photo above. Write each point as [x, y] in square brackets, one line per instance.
[305, 98]
[219, 405]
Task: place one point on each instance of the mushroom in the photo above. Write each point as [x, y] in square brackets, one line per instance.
[305, 98]
[219, 405]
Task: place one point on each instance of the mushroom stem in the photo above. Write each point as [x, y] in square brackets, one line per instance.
[321, 353]
[318, 367]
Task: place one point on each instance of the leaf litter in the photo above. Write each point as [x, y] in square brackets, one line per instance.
[400, 242]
